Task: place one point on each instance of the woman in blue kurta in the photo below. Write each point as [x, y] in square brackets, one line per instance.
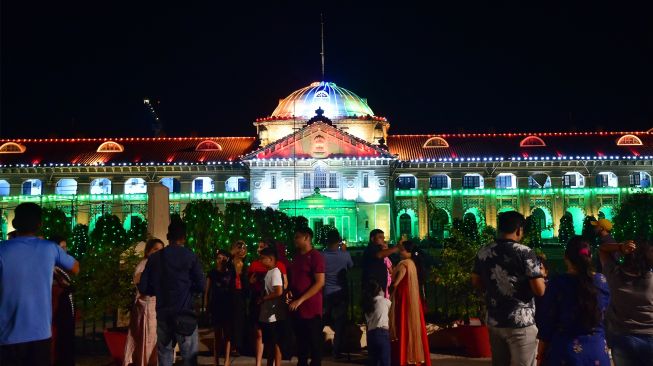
[572, 331]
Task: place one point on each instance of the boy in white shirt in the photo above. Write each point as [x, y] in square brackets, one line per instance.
[273, 311]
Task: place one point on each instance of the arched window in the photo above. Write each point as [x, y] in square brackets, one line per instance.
[440, 181]
[12, 148]
[539, 180]
[4, 188]
[172, 183]
[532, 141]
[435, 142]
[32, 187]
[203, 185]
[237, 184]
[607, 179]
[135, 186]
[472, 181]
[629, 140]
[573, 180]
[110, 147]
[640, 180]
[540, 218]
[320, 177]
[208, 145]
[506, 181]
[439, 223]
[66, 186]
[101, 186]
[406, 181]
[405, 225]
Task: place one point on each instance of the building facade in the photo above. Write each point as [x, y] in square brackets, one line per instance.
[323, 154]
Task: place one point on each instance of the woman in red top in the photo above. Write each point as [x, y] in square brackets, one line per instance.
[256, 275]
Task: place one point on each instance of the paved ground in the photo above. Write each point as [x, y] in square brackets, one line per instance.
[100, 357]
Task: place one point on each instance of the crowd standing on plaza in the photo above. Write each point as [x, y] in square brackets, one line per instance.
[581, 317]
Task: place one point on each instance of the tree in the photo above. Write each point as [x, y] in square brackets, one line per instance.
[634, 218]
[108, 270]
[55, 224]
[79, 243]
[322, 234]
[205, 232]
[470, 227]
[532, 232]
[566, 230]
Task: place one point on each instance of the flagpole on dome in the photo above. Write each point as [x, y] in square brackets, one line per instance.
[322, 39]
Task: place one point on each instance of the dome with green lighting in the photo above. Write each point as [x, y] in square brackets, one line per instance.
[336, 102]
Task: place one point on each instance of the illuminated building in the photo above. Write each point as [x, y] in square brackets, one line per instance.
[323, 154]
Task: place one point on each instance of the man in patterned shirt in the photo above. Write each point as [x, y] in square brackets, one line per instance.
[509, 273]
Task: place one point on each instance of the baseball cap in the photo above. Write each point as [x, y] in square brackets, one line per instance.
[603, 224]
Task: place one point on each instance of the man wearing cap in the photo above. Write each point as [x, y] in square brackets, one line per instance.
[337, 262]
[602, 228]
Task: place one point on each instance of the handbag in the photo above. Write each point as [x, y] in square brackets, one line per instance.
[184, 322]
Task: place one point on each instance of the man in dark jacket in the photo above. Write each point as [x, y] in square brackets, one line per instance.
[174, 275]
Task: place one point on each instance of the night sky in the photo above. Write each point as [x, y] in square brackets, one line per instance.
[83, 70]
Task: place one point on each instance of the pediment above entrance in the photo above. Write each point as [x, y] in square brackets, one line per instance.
[319, 140]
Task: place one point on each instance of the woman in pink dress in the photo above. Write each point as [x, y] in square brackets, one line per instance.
[140, 349]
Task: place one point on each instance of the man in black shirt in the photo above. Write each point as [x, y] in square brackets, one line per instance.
[374, 267]
[174, 275]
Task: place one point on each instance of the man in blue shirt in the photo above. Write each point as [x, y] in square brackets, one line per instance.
[337, 262]
[173, 274]
[26, 270]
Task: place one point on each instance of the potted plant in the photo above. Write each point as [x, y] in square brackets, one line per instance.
[460, 307]
[105, 283]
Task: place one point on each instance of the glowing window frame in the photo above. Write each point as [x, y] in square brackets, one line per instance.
[110, 147]
[636, 141]
[532, 141]
[19, 149]
[442, 143]
[214, 146]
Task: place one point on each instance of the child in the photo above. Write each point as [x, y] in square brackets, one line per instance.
[272, 307]
[377, 309]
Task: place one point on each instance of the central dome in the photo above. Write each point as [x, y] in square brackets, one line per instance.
[336, 102]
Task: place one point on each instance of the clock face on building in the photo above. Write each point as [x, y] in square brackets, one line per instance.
[381, 182]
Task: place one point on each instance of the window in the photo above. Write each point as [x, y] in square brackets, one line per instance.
[320, 180]
[532, 141]
[539, 180]
[66, 186]
[206, 185]
[440, 181]
[472, 181]
[640, 180]
[333, 180]
[435, 142]
[243, 185]
[607, 179]
[31, 187]
[208, 145]
[366, 180]
[629, 140]
[273, 181]
[406, 182]
[173, 184]
[4, 188]
[101, 186]
[110, 147]
[12, 148]
[135, 186]
[307, 181]
[573, 180]
[506, 181]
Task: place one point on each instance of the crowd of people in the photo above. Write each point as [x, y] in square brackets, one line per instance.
[581, 317]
